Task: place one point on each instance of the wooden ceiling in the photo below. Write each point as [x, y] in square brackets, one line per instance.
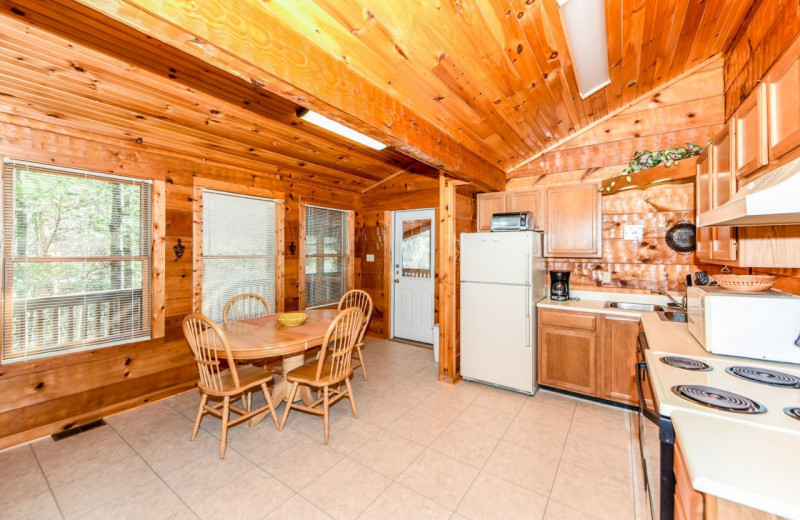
[475, 87]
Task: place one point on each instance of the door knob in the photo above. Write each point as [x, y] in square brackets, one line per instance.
[396, 280]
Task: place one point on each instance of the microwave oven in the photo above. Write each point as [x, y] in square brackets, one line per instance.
[763, 325]
[516, 221]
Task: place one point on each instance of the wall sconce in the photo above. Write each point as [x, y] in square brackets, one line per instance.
[179, 249]
[292, 247]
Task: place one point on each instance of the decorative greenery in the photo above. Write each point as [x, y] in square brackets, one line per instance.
[647, 159]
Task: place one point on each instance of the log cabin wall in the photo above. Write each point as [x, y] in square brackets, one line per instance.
[689, 109]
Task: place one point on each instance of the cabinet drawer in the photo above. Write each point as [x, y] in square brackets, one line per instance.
[571, 320]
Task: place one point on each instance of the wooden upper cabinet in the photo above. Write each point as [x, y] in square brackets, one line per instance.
[783, 86]
[573, 221]
[489, 204]
[618, 359]
[703, 204]
[530, 200]
[750, 131]
[723, 187]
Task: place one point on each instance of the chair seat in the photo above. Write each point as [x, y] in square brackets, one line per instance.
[307, 374]
[249, 376]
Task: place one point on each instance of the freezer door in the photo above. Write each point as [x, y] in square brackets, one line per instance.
[498, 343]
[497, 257]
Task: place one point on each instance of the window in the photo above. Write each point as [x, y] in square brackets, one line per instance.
[238, 249]
[326, 258]
[76, 253]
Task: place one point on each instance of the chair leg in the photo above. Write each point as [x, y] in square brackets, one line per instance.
[268, 397]
[361, 360]
[226, 410]
[352, 398]
[203, 401]
[289, 402]
[326, 404]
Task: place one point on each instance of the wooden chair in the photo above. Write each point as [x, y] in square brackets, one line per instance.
[362, 300]
[245, 306]
[330, 371]
[229, 384]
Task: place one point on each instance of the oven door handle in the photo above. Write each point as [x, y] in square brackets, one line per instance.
[641, 374]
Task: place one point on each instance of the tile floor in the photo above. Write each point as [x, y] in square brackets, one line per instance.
[419, 449]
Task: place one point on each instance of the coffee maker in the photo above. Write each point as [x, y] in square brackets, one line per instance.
[559, 285]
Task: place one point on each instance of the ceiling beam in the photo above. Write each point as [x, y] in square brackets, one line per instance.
[242, 39]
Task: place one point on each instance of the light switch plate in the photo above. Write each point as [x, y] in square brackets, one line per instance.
[606, 276]
[370, 258]
[633, 232]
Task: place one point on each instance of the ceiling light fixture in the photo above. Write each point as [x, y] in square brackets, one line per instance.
[585, 24]
[338, 128]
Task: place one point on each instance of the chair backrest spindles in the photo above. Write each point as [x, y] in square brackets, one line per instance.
[207, 341]
[245, 306]
[362, 300]
[340, 339]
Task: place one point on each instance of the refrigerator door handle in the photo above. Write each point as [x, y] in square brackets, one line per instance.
[528, 316]
[528, 270]
[528, 332]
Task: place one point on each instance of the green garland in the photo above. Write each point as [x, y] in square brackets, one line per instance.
[647, 159]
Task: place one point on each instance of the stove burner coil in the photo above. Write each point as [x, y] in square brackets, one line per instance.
[793, 412]
[686, 363]
[765, 376]
[717, 398]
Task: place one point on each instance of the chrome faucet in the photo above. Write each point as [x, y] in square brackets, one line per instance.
[681, 304]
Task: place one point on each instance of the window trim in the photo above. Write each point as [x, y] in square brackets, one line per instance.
[201, 184]
[349, 256]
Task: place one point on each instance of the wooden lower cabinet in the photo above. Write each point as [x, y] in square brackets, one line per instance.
[691, 504]
[591, 354]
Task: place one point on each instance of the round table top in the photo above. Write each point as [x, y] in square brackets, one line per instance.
[263, 337]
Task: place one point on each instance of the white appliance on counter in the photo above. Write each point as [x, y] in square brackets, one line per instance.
[760, 325]
[502, 278]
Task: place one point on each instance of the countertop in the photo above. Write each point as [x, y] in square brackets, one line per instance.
[749, 464]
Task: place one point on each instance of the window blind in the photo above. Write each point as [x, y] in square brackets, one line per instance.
[325, 255]
[76, 260]
[238, 249]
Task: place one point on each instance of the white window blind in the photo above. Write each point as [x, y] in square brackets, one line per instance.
[238, 249]
[76, 260]
[325, 255]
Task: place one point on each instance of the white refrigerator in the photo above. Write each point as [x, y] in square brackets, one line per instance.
[502, 278]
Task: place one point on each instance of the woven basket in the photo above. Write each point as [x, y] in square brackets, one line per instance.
[292, 319]
[744, 283]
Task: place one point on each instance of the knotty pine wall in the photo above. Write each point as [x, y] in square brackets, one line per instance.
[690, 109]
[48, 395]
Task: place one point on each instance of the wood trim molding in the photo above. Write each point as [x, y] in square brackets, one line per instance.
[197, 249]
[232, 187]
[446, 261]
[158, 282]
[301, 257]
[351, 250]
[280, 252]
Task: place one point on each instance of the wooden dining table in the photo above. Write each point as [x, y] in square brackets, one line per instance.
[264, 337]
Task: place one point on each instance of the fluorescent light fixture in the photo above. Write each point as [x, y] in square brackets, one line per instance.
[338, 128]
[632, 187]
[585, 23]
[659, 181]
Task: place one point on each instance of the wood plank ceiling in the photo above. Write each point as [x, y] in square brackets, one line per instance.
[448, 82]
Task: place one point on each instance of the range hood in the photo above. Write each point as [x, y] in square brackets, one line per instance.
[773, 199]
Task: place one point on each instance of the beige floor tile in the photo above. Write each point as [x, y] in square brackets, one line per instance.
[405, 394]
[297, 508]
[604, 423]
[523, 467]
[599, 457]
[93, 450]
[94, 489]
[558, 511]
[494, 498]
[465, 390]
[346, 490]
[153, 501]
[175, 452]
[35, 507]
[439, 478]
[548, 411]
[250, 496]
[593, 493]
[388, 454]
[419, 427]
[264, 441]
[547, 439]
[484, 420]
[186, 403]
[205, 475]
[350, 434]
[400, 503]
[20, 477]
[442, 406]
[426, 381]
[465, 444]
[302, 463]
[504, 401]
[380, 412]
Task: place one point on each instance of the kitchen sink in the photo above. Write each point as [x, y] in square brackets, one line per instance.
[679, 317]
[634, 306]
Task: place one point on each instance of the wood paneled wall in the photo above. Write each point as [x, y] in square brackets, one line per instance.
[41, 397]
[690, 109]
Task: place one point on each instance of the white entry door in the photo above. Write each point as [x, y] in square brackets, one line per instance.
[413, 274]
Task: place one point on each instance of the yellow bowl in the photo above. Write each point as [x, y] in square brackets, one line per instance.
[292, 319]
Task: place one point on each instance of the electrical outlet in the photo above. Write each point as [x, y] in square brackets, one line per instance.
[633, 232]
[370, 258]
[606, 276]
